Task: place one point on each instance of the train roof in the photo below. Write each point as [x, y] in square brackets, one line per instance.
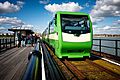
[75, 13]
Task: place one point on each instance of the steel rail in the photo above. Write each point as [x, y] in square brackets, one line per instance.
[69, 66]
[79, 74]
[74, 70]
[102, 68]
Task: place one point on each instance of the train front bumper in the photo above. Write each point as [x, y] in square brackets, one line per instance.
[76, 50]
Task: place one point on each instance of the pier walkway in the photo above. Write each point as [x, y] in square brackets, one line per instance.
[13, 63]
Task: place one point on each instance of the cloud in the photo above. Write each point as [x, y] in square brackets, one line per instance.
[2, 28]
[25, 26]
[105, 8]
[117, 22]
[107, 30]
[87, 5]
[8, 7]
[11, 21]
[28, 26]
[70, 6]
[14, 22]
[20, 3]
[44, 1]
[96, 19]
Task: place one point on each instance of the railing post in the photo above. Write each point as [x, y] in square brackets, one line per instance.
[14, 39]
[10, 42]
[6, 43]
[3, 42]
[0, 45]
[100, 47]
[116, 46]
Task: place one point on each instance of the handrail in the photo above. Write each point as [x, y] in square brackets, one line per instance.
[107, 39]
[30, 69]
[33, 71]
[100, 45]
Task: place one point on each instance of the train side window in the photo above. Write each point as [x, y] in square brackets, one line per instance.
[52, 26]
[55, 19]
[46, 31]
[88, 23]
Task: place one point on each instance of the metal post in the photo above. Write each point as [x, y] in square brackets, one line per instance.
[14, 38]
[10, 42]
[3, 42]
[6, 43]
[0, 45]
[100, 47]
[116, 46]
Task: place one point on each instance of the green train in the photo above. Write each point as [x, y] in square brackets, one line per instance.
[70, 34]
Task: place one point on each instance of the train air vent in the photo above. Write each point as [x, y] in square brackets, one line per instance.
[70, 51]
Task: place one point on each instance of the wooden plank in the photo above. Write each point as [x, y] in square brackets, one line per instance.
[7, 51]
[19, 73]
[19, 53]
[14, 67]
[5, 59]
[9, 67]
[9, 54]
[5, 67]
[22, 68]
[12, 72]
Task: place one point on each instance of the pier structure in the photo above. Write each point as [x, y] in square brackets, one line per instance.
[23, 30]
[40, 62]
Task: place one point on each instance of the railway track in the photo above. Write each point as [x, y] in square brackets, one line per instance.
[93, 71]
[89, 69]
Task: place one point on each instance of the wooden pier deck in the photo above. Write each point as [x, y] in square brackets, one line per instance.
[13, 63]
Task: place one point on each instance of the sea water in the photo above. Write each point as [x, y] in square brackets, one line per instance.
[107, 43]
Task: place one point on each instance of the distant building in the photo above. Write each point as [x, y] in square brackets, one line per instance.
[106, 35]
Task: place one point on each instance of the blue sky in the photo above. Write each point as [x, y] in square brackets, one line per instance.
[105, 14]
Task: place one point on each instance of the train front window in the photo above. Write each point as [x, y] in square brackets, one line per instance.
[75, 24]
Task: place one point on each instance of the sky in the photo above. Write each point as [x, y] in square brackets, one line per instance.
[36, 14]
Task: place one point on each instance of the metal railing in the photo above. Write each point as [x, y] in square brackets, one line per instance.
[6, 43]
[115, 45]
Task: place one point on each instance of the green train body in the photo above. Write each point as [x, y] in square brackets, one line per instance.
[70, 34]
